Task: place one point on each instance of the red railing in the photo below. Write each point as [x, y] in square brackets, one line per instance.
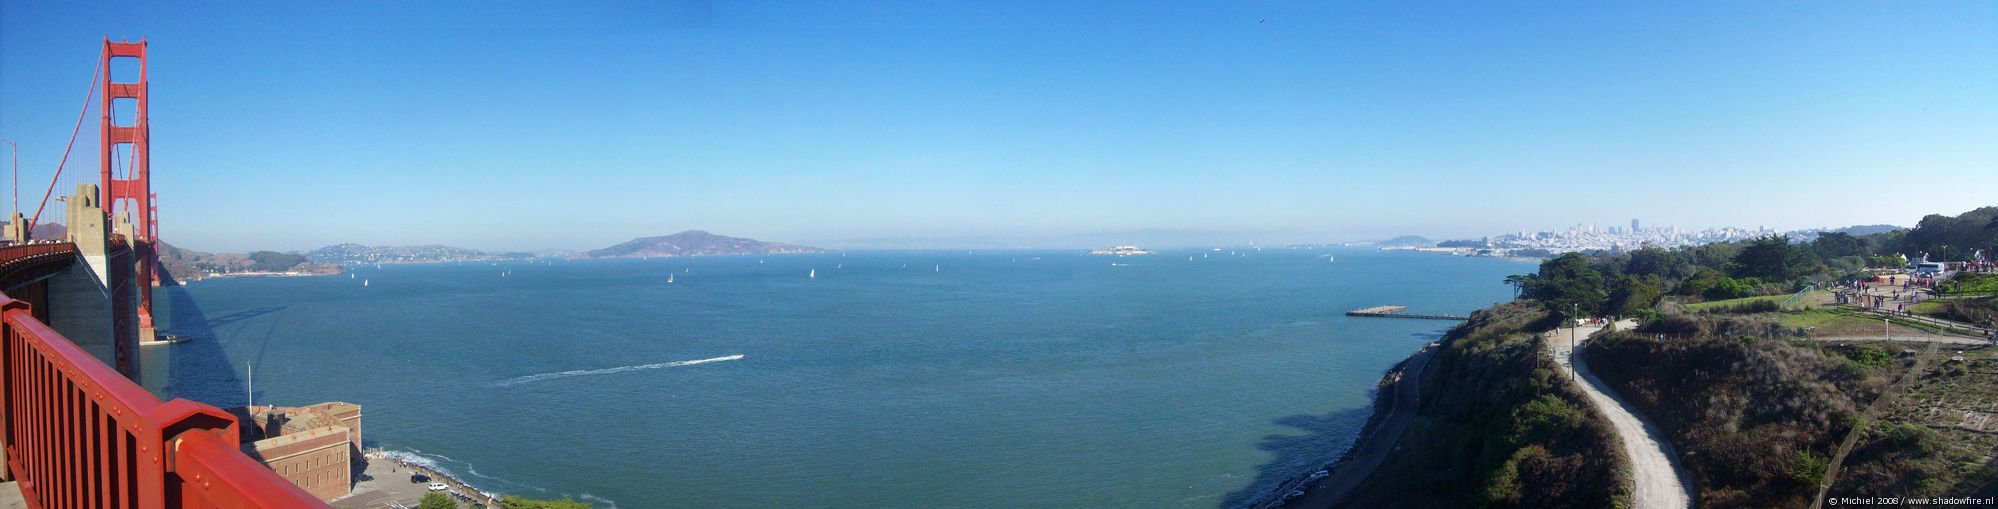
[21, 263]
[78, 434]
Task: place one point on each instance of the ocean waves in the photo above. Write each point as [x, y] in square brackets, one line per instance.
[605, 371]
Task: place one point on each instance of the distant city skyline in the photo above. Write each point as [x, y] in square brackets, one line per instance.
[504, 126]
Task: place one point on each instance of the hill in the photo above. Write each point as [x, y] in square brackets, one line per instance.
[1499, 425]
[1407, 241]
[694, 243]
[183, 264]
[357, 253]
[1868, 229]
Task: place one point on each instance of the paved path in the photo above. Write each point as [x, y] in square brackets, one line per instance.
[1369, 454]
[1654, 467]
[11, 497]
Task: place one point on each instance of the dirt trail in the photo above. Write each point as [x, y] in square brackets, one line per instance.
[1660, 483]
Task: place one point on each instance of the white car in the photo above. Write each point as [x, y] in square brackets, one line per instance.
[438, 486]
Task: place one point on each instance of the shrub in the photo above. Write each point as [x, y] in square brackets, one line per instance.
[1807, 468]
[1872, 356]
[1545, 417]
[1676, 324]
[436, 500]
[1728, 288]
[1749, 307]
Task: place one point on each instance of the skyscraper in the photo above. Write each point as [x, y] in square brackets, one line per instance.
[1633, 226]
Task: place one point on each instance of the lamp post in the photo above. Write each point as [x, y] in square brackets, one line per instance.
[1577, 311]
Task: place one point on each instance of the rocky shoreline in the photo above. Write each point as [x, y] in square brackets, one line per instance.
[1344, 469]
[402, 468]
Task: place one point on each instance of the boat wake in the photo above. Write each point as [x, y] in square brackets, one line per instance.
[605, 371]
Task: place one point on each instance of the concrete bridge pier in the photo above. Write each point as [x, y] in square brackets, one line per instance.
[91, 300]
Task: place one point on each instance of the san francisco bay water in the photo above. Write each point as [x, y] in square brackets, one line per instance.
[1188, 378]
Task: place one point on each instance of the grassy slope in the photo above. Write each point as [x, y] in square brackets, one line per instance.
[1974, 284]
[1753, 420]
[1975, 311]
[1499, 426]
[1702, 306]
[1937, 440]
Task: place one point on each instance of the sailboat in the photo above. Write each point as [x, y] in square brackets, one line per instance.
[364, 282]
[814, 274]
[939, 268]
[669, 279]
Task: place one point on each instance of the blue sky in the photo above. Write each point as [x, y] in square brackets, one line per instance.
[546, 125]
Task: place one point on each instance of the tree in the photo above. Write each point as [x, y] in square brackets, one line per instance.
[1652, 260]
[1698, 283]
[1567, 286]
[1838, 245]
[1519, 282]
[1950, 238]
[1770, 258]
[1713, 256]
[436, 500]
[1630, 294]
[1887, 261]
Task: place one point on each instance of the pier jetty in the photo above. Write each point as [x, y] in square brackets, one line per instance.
[1396, 312]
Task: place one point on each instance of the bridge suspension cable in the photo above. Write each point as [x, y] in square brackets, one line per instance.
[65, 151]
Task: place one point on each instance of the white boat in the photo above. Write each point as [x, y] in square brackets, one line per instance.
[814, 274]
[939, 268]
[364, 282]
[669, 279]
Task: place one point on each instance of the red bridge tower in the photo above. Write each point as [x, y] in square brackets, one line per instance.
[136, 185]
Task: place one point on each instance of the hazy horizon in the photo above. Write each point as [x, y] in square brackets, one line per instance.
[530, 126]
[1157, 238]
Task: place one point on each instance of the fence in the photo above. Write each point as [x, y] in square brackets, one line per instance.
[78, 434]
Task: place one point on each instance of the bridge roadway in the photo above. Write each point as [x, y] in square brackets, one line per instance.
[26, 263]
[74, 432]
